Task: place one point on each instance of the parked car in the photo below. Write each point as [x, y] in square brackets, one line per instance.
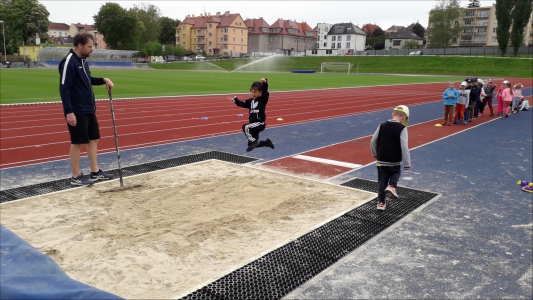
[187, 58]
[416, 53]
[158, 60]
[245, 56]
[199, 57]
[225, 56]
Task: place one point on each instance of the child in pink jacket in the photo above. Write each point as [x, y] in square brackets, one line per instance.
[499, 98]
[507, 97]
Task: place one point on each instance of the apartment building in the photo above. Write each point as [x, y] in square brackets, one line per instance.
[282, 37]
[322, 30]
[58, 29]
[215, 34]
[480, 25]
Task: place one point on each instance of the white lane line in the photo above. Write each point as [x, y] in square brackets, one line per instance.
[328, 161]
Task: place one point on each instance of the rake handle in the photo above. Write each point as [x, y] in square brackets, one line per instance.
[116, 137]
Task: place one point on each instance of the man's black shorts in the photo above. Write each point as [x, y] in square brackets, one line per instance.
[86, 129]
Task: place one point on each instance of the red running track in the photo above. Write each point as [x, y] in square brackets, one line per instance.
[38, 132]
[331, 160]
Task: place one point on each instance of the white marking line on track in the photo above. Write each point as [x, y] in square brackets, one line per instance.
[328, 161]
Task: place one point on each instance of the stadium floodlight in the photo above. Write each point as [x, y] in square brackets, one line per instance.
[4, 35]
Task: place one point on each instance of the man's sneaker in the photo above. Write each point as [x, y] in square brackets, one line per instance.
[382, 205]
[252, 146]
[491, 115]
[81, 180]
[390, 191]
[269, 143]
[100, 175]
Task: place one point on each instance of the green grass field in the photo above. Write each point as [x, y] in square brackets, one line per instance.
[195, 78]
[42, 85]
[430, 65]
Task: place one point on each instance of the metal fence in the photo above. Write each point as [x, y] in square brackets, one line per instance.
[99, 57]
[523, 52]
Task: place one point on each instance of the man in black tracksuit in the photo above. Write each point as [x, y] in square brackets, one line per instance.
[79, 107]
[257, 116]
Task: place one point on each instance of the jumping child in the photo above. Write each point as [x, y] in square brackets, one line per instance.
[389, 145]
[257, 117]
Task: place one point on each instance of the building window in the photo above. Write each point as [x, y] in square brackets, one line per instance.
[348, 45]
[183, 27]
[325, 45]
[493, 30]
[494, 39]
[396, 43]
[456, 23]
[210, 26]
[349, 38]
[210, 34]
[332, 45]
[210, 43]
[184, 35]
[333, 38]
[233, 30]
[339, 46]
[339, 38]
[234, 40]
[325, 37]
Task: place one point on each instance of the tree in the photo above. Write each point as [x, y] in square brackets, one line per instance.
[154, 49]
[377, 32]
[419, 30]
[504, 19]
[473, 3]
[444, 25]
[168, 31]
[520, 18]
[150, 16]
[23, 19]
[121, 28]
[410, 45]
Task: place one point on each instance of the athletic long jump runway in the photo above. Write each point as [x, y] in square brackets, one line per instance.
[474, 242]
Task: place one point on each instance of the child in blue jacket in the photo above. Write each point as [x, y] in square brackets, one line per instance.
[450, 95]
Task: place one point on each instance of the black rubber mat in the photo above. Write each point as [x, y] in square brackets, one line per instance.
[64, 184]
[281, 271]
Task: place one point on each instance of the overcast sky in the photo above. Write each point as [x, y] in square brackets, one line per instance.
[382, 13]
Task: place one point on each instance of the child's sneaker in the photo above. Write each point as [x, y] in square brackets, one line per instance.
[80, 180]
[269, 143]
[100, 175]
[252, 146]
[390, 191]
[382, 205]
[480, 115]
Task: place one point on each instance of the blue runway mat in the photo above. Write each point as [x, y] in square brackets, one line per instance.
[25, 273]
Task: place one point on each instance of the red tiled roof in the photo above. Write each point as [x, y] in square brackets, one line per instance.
[370, 28]
[256, 25]
[58, 26]
[84, 26]
[284, 25]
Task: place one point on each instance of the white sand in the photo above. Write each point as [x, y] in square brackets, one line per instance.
[183, 228]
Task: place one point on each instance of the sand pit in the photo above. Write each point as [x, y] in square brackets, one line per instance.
[183, 228]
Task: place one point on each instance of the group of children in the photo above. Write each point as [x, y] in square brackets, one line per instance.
[474, 95]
